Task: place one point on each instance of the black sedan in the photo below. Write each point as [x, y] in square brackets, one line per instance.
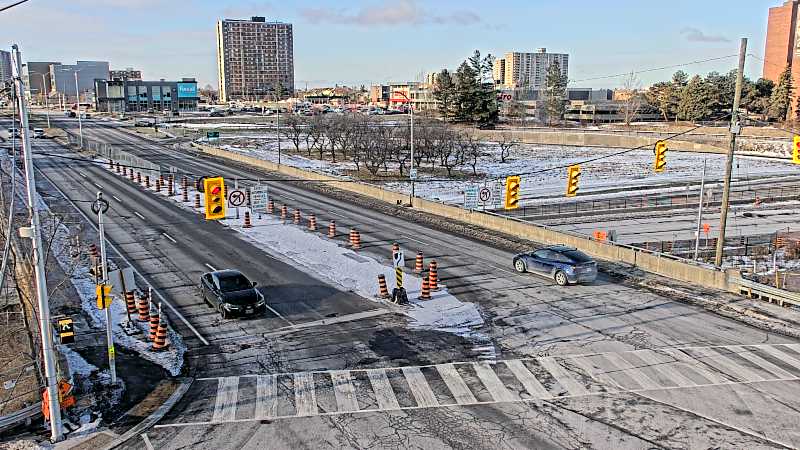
[232, 294]
[563, 264]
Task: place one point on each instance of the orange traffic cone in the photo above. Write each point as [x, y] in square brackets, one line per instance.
[383, 290]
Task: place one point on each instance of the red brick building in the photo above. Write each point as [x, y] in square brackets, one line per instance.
[783, 44]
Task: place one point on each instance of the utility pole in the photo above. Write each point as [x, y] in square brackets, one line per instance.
[34, 232]
[700, 212]
[734, 131]
[78, 97]
[102, 205]
[46, 102]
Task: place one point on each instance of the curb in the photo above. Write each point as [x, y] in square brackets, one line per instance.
[157, 415]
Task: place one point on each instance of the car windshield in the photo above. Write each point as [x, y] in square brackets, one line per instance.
[234, 283]
[578, 257]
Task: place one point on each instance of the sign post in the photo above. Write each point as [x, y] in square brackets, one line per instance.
[399, 293]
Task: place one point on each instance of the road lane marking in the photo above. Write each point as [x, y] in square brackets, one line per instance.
[127, 261]
[139, 215]
[304, 395]
[227, 396]
[331, 321]
[529, 382]
[723, 363]
[211, 267]
[415, 240]
[763, 363]
[266, 396]
[335, 214]
[562, 377]
[419, 387]
[117, 198]
[99, 187]
[384, 394]
[456, 384]
[665, 368]
[171, 239]
[146, 440]
[493, 383]
[344, 391]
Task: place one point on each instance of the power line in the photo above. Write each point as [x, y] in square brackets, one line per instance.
[12, 5]
[654, 69]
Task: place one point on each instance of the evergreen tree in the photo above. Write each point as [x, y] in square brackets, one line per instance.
[555, 93]
[485, 102]
[695, 100]
[466, 92]
[444, 92]
[780, 100]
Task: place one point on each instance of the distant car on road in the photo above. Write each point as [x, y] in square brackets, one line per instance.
[38, 133]
[563, 264]
[216, 114]
[232, 294]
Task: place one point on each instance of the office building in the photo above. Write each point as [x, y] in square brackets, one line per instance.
[783, 45]
[37, 75]
[517, 69]
[255, 59]
[146, 96]
[125, 75]
[5, 66]
[62, 78]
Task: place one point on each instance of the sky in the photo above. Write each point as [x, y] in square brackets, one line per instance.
[372, 41]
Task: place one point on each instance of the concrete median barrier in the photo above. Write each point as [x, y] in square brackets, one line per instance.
[656, 263]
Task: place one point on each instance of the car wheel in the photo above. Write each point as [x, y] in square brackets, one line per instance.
[223, 312]
[561, 278]
[519, 265]
[205, 299]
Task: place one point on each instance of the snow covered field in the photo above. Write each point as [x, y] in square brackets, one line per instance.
[543, 169]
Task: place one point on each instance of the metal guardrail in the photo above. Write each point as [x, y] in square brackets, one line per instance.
[17, 417]
[110, 152]
[765, 292]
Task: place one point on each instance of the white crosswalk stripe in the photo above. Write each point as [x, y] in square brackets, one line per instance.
[456, 384]
[342, 391]
[227, 395]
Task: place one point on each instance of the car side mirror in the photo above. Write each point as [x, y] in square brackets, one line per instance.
[255, 283]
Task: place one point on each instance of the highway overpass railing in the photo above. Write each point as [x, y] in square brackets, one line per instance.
[764, 292]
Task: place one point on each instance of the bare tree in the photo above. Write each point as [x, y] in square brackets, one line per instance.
[506, 143]
[632, 100]
[451, 153]
[473, 149]
[295, 130]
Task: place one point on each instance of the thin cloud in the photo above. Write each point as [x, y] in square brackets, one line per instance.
[403, 12]
[695, 35]
[245, 9]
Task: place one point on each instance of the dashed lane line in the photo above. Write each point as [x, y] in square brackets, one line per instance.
[211, 267]
[98, 186]
[139, 215]
[117, 198]
[170, 238]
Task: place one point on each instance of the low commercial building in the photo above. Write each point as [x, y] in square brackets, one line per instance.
[609, 112]
[146, 96]
[62, 78]
[127, 74]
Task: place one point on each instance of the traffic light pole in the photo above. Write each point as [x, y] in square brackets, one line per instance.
[38, 257]
[112, 364]
[734, 131]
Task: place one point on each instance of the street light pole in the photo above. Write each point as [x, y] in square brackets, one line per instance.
[411, 174]
[45, 328]
[700, 213]
[78, 97]
[46, 102]
[112, 365]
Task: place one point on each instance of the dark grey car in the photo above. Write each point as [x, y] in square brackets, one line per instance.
[563, 264]
[232, 294]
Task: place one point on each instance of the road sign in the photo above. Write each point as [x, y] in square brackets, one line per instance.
[237, 197]
[116, 282]
[66, 330]
[706, 228]
[497, 194]
[412, 174]
[212, 135]
[259, 195]
[471, 197]
[103, 292]
[485, 195]
[398, 260]
[99, 204]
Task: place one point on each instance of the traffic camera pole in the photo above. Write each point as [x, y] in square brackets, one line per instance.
[38, 261]
[112, 365]
[734, 131]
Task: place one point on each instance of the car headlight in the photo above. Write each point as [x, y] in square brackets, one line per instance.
[230, 307]
[569, 269]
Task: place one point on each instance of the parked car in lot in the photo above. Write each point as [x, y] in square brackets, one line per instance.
[563, 264]
[14, 133]
[232, 294]
[38, 133]
[216, 114]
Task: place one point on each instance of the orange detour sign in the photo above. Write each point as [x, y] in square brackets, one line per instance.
[706, 228]
[65, 398]
[600, 235]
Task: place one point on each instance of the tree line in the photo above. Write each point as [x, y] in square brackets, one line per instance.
[377, 146]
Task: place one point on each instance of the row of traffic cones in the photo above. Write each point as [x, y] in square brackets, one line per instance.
[161, 182]
[147, 312]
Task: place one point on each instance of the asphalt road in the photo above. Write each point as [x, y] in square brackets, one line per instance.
[604, 365]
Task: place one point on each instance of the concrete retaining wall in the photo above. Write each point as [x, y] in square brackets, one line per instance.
[649, 262]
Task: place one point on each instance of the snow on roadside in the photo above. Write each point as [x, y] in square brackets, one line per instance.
[327, 261]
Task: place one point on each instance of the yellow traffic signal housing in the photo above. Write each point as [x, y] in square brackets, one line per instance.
[796, 150]
[512, 192]
[573, 173]
[661, 156]
[215, 198]
[104, 298]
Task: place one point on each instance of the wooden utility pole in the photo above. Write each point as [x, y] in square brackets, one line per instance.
[735, 129]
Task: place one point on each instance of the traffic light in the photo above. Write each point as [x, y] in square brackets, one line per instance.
[104, 298]
[573, 173]
[512, 192]
[661, 156]
[214, 190]
[796, 150]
